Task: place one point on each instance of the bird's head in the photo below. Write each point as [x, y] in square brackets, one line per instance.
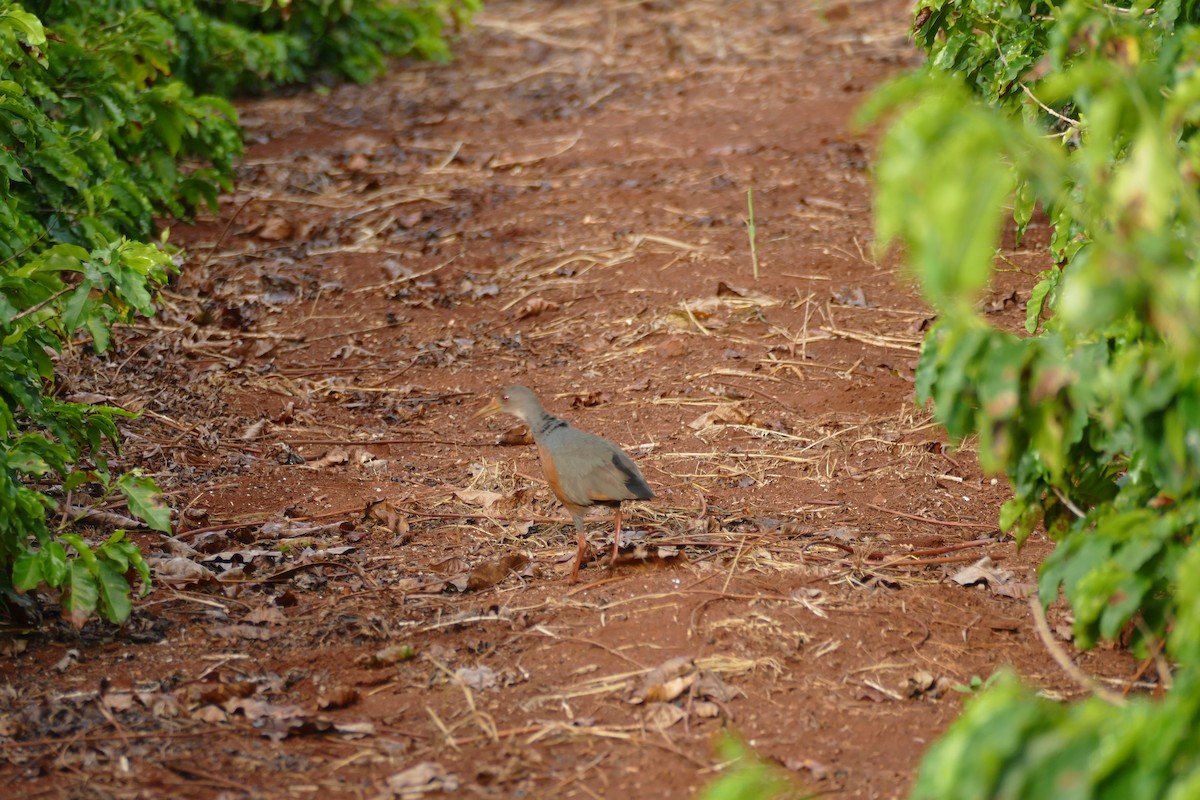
[515, 400]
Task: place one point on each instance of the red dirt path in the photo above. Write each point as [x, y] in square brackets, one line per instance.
[564, 206]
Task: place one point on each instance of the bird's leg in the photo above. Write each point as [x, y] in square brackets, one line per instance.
[616, 535]
[582, 537]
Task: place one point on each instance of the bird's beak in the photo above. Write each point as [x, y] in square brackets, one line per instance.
[490, 410]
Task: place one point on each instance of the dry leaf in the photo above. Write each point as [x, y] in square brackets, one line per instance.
[266, 615]
[663, 715]
[477, 677]
[489, 573]
[209, 714]
[117, 701]
[1002, 302]
[517, 499]
[219, 694]
[68, 660]
[388, 656]
[175, 547]
[727, 291]
[818, 770]
[519, 435]
[454, 565]
[673, 347]
[587, 400]
[12, 647]
[337, 697]
[355, 730]
[1000, 581]
[254, 431]
[711, 687]
[252, 708]
[161, 704]
[666, 681]
[727, 414]
[241, 632]
[478, 497]
[638, 386]
[852, 297]
[99, 517]
[90, 398]
[392, 519]
[274, 229]
[870, 695]
[427, 776]
[180, 570]
[337, 455]
[534, 306]
[918, 684]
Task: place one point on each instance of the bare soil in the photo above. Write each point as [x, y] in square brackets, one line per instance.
[383, 609]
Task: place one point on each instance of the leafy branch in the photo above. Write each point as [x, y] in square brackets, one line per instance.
[1089, 113]
[102, 133]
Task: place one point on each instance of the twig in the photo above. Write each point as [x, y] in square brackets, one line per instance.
[751, 230]
[542, 629]
[733, 564]
[369, 442]
[1156, 656]
[447, 735]
[447, 160]
[404, 278]
[26, 248]
[875, 340]
[224, 233]
[1066, 501]
[43, 304]
[1074, 123]
[688, 310]
[103, 737]
[1063, 660]
[521, 162]
[931, 520]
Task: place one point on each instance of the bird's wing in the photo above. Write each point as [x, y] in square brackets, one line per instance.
[594, 470]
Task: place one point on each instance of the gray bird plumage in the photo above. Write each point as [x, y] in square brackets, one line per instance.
[582, 469]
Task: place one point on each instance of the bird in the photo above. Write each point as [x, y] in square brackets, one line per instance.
[582, 469]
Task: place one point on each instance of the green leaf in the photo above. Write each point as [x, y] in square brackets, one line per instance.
[99, 330]
[1036, 305]
[54, 564]
[145, 500]
[82, 593]
[113, 592]
[27, 571]
[26, 24]
[748, 777]
[77, 306]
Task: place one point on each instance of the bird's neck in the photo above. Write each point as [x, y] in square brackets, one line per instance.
[543, 423]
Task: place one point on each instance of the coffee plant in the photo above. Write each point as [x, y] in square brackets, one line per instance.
[114, 113]
[1086, 111]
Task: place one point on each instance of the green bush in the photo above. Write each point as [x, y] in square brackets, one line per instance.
[89, 145]
[227, 47]
[1091, 112]
[1011, 743]
[92, 136]
[64, 290]
[105, 124]
[291, 40]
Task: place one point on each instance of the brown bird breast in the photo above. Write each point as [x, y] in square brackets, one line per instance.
[584, 469]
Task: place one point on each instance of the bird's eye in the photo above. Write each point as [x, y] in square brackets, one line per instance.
[504, 397]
